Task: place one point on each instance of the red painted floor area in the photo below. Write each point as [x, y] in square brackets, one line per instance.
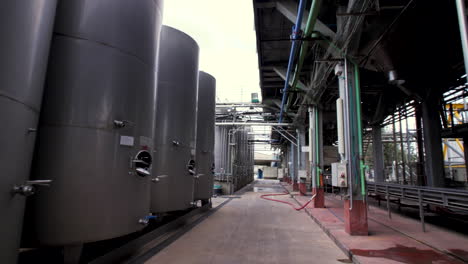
[396, 240]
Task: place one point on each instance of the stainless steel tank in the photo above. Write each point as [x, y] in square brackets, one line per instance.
[205, 137]
[97, 122]
[26, 30]
[175, 133]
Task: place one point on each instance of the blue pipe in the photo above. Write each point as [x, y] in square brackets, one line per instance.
[294, 45]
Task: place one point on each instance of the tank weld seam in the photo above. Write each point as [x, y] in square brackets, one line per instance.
[107, 128]
[130, 54]
[16, 100]
[181, 146]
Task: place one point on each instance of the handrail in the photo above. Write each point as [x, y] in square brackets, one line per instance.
[449, 198]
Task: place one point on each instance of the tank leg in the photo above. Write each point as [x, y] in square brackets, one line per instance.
[72, 254]
[205, 202]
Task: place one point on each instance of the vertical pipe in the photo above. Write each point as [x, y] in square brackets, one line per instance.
[339, 119]
[298, 142]
[347, 125]
[395, 151]
[311, 146]
[317, 146]
[358, 110]
[461, 11]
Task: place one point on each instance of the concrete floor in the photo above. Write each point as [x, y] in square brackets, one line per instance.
[252, 230]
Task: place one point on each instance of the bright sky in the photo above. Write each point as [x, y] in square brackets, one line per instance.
[224, 30]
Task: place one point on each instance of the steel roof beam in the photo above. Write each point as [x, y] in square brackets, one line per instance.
[282, 73]
[289, 10]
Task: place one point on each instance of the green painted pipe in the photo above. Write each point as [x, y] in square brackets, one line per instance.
[359, 122]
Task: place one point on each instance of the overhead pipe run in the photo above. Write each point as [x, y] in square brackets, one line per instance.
[309, 30]
[311, 21]
[252, 124]
[292, 54]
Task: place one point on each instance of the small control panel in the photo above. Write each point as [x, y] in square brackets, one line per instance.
[339, 175]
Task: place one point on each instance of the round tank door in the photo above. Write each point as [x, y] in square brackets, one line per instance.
[143, 161]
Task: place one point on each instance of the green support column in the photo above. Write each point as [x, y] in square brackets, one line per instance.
[355, 208]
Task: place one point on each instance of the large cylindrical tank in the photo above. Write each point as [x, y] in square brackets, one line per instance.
[175, 134]
[97, 122]
[26, 31]
[205, 136]
[221, 152]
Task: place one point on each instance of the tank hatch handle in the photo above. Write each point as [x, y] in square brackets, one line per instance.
[158, 178]
[29, 188]
[142, 172]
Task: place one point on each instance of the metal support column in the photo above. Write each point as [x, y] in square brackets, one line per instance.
[316, 159]
[465, 152]
[433, 143]
[355, 208]
[402, 148]
[421, 179]
[377, 147]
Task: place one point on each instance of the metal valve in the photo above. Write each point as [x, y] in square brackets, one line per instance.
[122, 123]
[198, 176]
[29, 188]
[146, 220]
[176, 143]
